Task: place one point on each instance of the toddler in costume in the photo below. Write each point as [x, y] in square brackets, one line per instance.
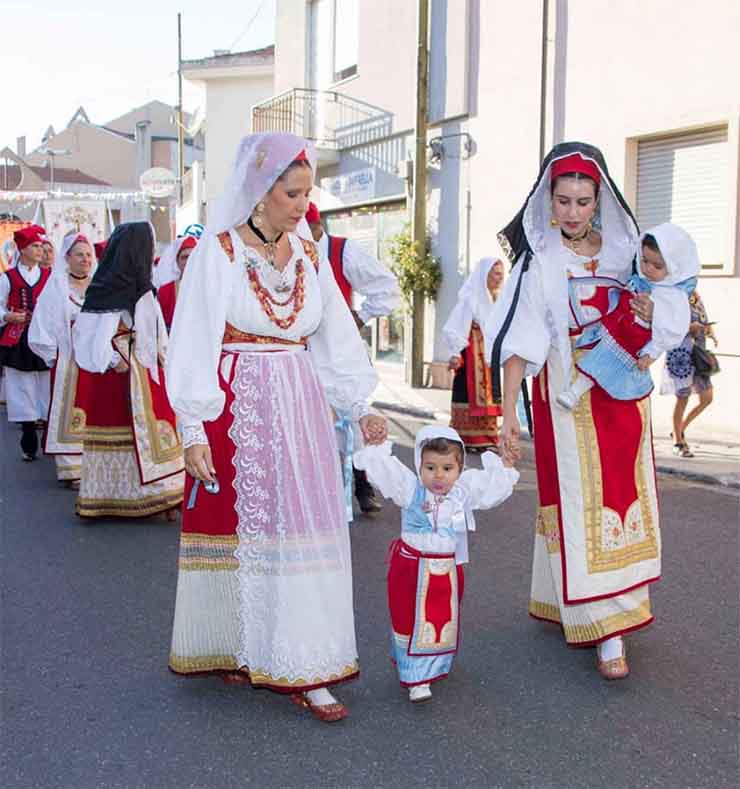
[425, 575]
[619, 362]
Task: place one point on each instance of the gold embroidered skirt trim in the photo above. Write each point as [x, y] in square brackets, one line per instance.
[597, 630]
[138, 508]
[204, 664]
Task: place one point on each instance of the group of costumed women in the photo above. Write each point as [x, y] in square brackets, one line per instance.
[264, 357]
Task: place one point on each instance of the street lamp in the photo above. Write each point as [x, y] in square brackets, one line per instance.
[51, 153]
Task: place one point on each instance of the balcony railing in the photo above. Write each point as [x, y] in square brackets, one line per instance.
[330, 119]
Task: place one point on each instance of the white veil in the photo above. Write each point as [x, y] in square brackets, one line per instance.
[260, 160]
[51, 325]
[166, 270]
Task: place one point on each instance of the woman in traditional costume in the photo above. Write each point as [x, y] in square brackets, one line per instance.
[168, 273]
[474, 413]
[132, 463]
[262, 348]
[25, 374]
[597, 543]
[50, 336]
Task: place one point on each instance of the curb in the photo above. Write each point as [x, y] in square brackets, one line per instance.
[723, 480]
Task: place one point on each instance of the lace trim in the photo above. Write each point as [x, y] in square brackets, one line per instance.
[194, 435]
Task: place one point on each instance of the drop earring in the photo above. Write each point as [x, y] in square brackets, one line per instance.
[554, 222]
[259, 209]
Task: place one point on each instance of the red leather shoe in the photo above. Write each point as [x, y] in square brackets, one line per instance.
[328, 713]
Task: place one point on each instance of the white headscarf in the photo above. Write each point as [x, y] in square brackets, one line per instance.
[423, 437]
[167, 269]
[53, 313]
[260, 160]
[474, 303]
[678, 250]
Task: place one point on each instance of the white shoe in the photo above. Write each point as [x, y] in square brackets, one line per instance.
[567, 399]
[420, 693]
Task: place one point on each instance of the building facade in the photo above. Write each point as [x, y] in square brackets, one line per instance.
[623, 76]
[233, 82]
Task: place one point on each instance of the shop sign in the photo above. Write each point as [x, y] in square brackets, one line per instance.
[351, 188]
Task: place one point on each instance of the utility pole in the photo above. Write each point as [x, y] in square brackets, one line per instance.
[419, 224]
[180, 126]
[543, 79]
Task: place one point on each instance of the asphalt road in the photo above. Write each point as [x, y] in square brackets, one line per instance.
[87, 700]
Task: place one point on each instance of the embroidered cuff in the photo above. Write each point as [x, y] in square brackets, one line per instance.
[194, 435]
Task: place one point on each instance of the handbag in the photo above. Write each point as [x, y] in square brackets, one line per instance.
[705, 362]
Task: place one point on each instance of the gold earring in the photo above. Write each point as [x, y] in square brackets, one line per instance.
[554, 222]
[259, 210]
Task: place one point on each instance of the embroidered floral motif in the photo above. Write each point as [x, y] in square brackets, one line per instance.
[227, 244]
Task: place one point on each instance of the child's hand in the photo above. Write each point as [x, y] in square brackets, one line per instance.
[374, 428]
[644, 362]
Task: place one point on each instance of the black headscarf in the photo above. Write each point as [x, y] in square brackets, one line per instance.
[515, 244]
[124, 274]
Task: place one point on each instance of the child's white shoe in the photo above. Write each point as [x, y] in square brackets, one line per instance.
[567, 400]
[420, 693]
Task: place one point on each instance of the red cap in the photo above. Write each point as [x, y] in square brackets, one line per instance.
[100, 250]
[187, 243]
[575, 163]
[313, 215]
[33, 234]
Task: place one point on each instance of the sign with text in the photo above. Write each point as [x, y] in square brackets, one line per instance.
[158, 182]
[351, 188]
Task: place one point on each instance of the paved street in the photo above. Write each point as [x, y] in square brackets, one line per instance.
[88, 700]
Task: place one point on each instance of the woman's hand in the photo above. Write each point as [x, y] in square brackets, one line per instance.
[696, 329]
[511, 450]
[121, 366]
[642, 306]
[13, 316]
[455, 363]
[199, 463]
[374, 428]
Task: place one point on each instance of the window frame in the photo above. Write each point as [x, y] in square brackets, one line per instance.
[731, 266]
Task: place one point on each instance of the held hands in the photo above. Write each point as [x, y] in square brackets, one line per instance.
[511, 450]
[644, 362]
[199, 463]
[455, 363]
[642, 305]
[374, 428]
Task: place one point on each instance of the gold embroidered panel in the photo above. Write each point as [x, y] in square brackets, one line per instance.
[611, 543]
[548, 527]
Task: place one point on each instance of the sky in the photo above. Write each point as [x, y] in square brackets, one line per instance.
[111, 57]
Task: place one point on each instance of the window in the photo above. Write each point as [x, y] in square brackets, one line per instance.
[684, 178]
[346, 38]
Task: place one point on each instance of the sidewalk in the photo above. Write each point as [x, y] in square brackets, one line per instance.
[715, 462]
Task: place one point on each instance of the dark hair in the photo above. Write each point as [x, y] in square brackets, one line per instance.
[577, 177]
[443, 446]
[295, 163]
[650, 242]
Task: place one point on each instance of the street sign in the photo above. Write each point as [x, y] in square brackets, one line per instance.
[158, 182]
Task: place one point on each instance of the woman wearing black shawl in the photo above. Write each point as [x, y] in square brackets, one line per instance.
[597, 544]
[132, 456]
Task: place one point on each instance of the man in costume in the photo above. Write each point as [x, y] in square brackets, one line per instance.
[27, 382]
[356, 271]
